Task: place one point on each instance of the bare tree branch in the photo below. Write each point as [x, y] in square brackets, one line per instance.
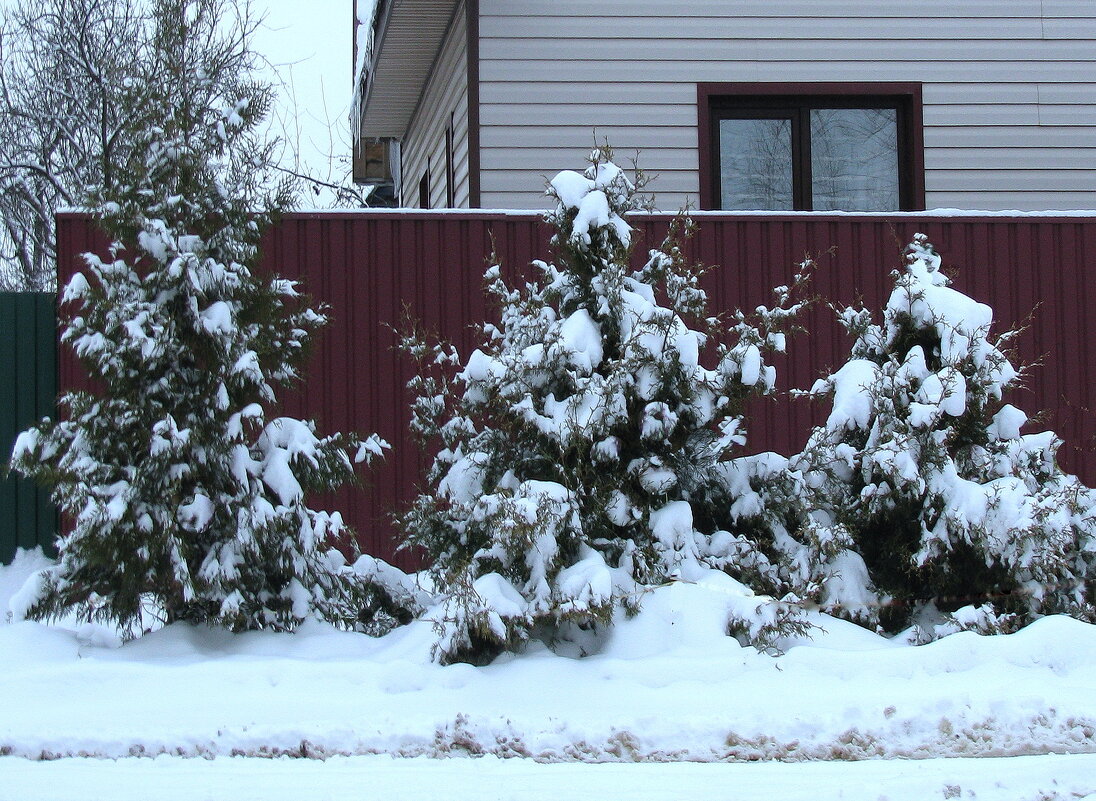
[67, 69]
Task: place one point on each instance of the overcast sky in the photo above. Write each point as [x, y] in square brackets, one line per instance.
[310, 44]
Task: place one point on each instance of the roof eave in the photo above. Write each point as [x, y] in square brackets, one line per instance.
[407, 35]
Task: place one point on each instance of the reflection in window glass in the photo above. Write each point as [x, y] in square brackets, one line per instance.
[755, 163]
[854, 159]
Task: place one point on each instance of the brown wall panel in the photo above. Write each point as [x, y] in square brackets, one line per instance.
[368, 267]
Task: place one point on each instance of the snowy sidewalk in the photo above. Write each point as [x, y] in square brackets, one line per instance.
[1039, 778]
[668, 686]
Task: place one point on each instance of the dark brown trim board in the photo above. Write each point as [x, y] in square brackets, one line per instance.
[471, 9]
[905, 96]
[449, 167]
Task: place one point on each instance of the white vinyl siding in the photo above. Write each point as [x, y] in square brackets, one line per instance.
[444, 98]
[1009, 87]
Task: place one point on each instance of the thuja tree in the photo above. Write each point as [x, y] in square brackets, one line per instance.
[183, 493]
[582, 442]
[962, 520]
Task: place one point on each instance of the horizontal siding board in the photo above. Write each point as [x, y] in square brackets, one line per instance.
[664, 200]
[567, 158]
[982, 115]
[1067, 93]
[1008, 158]
[1070, 28]
[1003, 181]
[526, 200]
[560, 91]
[969, 199]
[937, 197]
[663, 180]
[851, 9]
[669, 27]
[1081, 116]
[623, 138]
[876, 68]
[945, 93]
[1010, 136]
[590, 114]
[658, 92]
[1081, 27]
[498, 139]
[1078, 9]
[790, 50]
[1005, 201]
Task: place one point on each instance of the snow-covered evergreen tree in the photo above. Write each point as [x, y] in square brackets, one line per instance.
[922, 463]
[182, 487]
[585, 443]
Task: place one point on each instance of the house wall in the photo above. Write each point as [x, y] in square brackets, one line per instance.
[1009, 87]
[444, 98]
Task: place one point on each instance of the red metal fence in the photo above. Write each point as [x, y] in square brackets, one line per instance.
[371, 266]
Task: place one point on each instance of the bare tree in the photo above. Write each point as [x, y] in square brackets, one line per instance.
[332, 184]
[66, 80]
[185, 490]
[71, 100]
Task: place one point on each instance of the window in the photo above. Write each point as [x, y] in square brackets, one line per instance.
[821, 147]
[424, 189]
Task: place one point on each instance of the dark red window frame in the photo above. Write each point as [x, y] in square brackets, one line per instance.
[716, 101]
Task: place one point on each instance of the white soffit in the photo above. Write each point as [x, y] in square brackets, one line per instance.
[408, 35]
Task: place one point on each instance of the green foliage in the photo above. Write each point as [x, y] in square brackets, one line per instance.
[961, 520]
[585, 440]
[185, 496]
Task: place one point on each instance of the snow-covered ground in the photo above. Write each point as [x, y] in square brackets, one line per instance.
[667, 686]
[1041, 778]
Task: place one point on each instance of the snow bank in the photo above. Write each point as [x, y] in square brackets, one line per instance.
[667, 684]
[15, 575]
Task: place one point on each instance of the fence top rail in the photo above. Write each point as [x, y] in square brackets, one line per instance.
[941, 215]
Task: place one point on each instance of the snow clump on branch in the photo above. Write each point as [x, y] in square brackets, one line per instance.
[962, 520]
[588, 445]
[184, 490]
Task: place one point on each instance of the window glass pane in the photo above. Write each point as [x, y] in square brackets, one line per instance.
[854, 159]
[755, 164]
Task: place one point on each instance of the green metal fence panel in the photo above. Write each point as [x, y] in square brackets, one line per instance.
[28, 392]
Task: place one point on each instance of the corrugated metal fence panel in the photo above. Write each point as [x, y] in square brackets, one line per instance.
[1029, 270]
[76, 234]
[374, 271]
[372, 267]
[28, 389]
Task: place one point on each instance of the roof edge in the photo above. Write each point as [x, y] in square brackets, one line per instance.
[404, 40]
